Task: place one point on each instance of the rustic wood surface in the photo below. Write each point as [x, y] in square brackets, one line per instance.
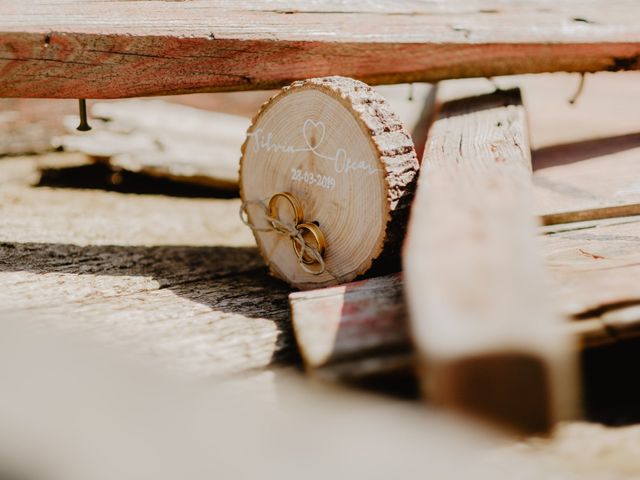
[360, 328]
[28, 125]
[336, 145]
[474, 278]
[603, 184]
[163, 139]
[48, 227]
[354, 329]
[573, 147]
[105, 49]
[595, 265]
[177, 281]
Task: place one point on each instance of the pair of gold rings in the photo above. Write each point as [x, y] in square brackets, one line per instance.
[306, 229]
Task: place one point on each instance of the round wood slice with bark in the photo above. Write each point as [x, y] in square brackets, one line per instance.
[345, 168]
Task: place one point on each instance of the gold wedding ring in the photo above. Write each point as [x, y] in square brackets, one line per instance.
[318, 237]
[294, 203]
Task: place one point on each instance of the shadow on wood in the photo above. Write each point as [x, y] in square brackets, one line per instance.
[566, 153]
[230, 280]
[100, 176]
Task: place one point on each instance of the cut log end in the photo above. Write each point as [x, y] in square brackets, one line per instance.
[336, 146]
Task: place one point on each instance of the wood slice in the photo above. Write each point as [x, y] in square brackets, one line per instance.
[335, 145]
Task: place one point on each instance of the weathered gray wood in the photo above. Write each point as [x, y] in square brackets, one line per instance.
[478, 302]
[354, 329]
[176, 282]
[102, 49]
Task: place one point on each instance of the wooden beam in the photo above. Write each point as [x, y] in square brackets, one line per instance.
[353, 330]
[359, 329]
[480, 311]
[107, 49]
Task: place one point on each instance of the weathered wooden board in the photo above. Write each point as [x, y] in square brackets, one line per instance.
[589, 180]
[337, 147]
[105, 49]
[360, 328]
[584, 155]
[595, 266]
[476, 289]
[354, 329]
[162, 139]
[176, 282]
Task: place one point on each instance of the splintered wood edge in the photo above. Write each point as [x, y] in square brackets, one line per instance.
[345, 90]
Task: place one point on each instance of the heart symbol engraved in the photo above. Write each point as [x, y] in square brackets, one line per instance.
[313, 133]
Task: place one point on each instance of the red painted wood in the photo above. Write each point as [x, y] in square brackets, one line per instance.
[109, 49]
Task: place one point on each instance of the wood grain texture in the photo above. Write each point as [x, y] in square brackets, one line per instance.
[173, 282]
[478, 298]
[353, 329]
[360, 328]
[595, 266]
[356, 170]
[105, 49]
[584, 156]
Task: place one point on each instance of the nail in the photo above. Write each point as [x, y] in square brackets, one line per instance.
[84, 125]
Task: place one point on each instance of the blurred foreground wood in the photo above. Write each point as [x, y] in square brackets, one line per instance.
[478, 300]
[105, 49]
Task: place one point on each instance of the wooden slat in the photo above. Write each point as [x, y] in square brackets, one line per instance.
[161, 139]
[478, 301]
[174, 282]
[596, 266]
[588, 180]
[360, 329]
[106, 49]
[354, 329]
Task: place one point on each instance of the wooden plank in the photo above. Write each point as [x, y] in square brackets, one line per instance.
[353, 330]
[102, 49]
[595, 266]
[174, 282]
[588, 180]
[360, 329]
[476, 288]
[585, 155]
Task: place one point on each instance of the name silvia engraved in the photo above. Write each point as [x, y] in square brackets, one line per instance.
[311, 129]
